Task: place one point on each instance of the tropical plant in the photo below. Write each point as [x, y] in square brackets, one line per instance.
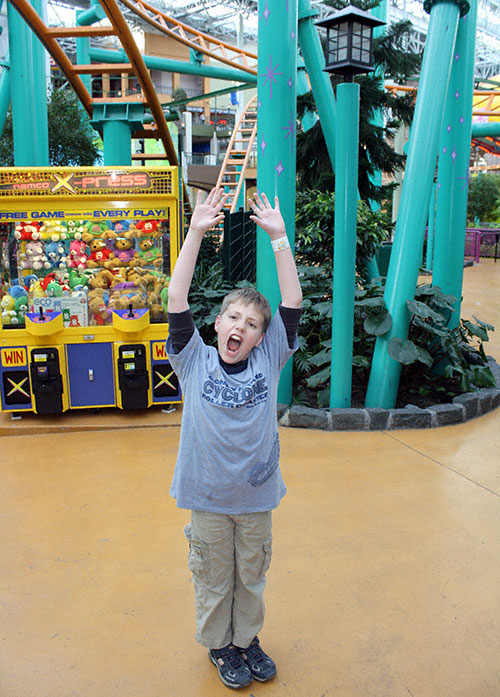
[435, 350]
[314, 237]
[312, 364]
[483, 203]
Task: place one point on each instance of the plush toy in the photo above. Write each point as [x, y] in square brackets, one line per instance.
[99, 313]
[56, 255]
[21, 307]
[77, 280]
[54, 290]
[29, 280]
[53, 231]
[164, 298]
[148, 228]
[103, 279]
[149, 254]
[124, 252]
[75, 228]
[77, 255]
[9, 315]
[124, 228]
[97, 230]
[100, 255]
[28, 230]
[34, 257]
[17, 290]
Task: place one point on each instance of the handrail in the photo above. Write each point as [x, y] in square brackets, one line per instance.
[195, 39]
[244, 162]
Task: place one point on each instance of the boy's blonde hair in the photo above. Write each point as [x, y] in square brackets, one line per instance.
[249, 296]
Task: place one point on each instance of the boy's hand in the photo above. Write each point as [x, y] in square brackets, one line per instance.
[207, 214]
[267, 217]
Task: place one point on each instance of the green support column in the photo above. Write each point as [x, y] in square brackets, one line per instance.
[453, 168]
[409, 235]
[310, 117]
[117, 121]
[321, 85]
[276, 117]
[4, 91]
[431, 224]
[28, 62]
[344, 253]
[85, 18]
[380, 11]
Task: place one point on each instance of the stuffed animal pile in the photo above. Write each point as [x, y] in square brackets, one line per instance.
[116, 265]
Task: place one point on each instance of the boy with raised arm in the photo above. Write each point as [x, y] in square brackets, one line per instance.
[227, 471]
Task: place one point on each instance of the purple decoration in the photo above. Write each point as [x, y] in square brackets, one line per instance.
[290, 82]
[266, 13]
[465, 179]
[457, 94]
[454, 154]
[445, 149]
[448, 128]
[457, 57]
[263, 145]
[292, 35]
[270, 75]
[290, 130]
[279, 168]
[461, 119]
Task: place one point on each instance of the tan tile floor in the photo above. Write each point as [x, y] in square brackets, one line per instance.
[384, 582]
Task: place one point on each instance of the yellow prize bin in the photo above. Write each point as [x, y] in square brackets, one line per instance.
[87, 255]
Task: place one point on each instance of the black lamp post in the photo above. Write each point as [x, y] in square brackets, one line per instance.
[349, 41]
[348, 52]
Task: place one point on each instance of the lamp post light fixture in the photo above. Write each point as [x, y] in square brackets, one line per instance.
[349, 41]
[348, 52]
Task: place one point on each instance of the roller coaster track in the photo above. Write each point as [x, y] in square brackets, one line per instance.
[119, 28]
[232, 172]
[197, 40]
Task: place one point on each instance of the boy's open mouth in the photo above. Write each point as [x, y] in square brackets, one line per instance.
[233, 343]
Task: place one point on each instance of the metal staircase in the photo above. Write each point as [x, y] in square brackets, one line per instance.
[238, 153]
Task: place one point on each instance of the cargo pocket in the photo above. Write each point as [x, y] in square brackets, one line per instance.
[198, 560]
[267, 554]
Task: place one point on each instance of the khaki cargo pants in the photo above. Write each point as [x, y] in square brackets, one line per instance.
[228, 557]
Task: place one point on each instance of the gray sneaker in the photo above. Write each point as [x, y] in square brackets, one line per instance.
[233, 671]
[262, 667]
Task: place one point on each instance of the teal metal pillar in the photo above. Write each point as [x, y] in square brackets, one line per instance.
[453, 167]
[409, 235]
[344, 253]
[276, 118]
[28, 62]
[117, 121]
[380, 11]
[4, 91]
[431, 224]
[85, 18]
[309, 118]
[321, 85]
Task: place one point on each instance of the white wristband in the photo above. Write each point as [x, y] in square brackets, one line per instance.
[280, 243]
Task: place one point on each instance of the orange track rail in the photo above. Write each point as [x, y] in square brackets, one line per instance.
[197, 40]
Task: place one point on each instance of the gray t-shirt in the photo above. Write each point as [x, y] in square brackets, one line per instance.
[228, 459]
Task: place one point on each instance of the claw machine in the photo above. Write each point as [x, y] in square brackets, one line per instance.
[86, 259]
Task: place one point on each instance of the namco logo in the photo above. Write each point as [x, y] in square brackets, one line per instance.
[13, 357]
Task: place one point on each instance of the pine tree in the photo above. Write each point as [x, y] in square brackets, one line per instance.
[72, 141]
[391, 56]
